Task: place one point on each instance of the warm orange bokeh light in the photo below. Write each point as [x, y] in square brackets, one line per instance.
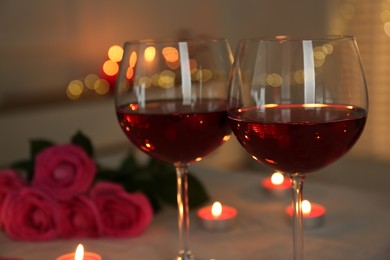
[150, 53]
[110, 68]
[170, 54]
[129, 72]
[173, 65]
[133, 59]
[115, 53]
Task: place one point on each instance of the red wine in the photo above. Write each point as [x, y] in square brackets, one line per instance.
[173, 132]
[298, 138]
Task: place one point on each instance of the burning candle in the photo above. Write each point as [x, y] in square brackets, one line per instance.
[276, 185]
[313, 214]
[217, 217]
[79, 254]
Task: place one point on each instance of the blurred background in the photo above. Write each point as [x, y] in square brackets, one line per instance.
[56, 69]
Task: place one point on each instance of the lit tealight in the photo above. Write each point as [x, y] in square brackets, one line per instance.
[79, 254]
[217, 217]
[276, 185]
[313, 214]
[216, 210]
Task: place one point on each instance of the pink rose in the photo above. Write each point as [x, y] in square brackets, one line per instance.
[122, 214]
[80, 218]
[10, 181]
[31, 215]
[63, 171]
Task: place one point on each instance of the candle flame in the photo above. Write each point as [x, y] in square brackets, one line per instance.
[277, 178]
[216, 209]
[306, 207]
[79, 255]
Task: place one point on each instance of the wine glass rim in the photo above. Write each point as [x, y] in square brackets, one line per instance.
[292, 38]
[176, 40]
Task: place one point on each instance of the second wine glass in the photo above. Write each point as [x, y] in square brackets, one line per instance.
[171, 99]
[297, 105]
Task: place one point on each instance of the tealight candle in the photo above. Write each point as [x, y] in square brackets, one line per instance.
[313, 214]
[277, 185]
[80, 255]
[217, 217]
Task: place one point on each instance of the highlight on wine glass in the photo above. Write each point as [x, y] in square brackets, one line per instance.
[171, 99]
[298, 104]
[217, 217]
[276, 185]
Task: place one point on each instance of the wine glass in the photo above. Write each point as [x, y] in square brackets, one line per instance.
[297, 105]
[171, 99]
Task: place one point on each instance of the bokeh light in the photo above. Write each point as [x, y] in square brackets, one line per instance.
[74, 89]
[110, 68]
[129, 73]
[150, 53]
[133, 59]
[144, 82]
[299, 76]
[102, 86]
[170, 54]
[90, 80]
[319, 57]
[274, 80]
[115, 53]
[327, 48]
[203, 75]
[166, 79]
[193, 65]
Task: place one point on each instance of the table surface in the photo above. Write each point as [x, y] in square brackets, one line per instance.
[356, 227]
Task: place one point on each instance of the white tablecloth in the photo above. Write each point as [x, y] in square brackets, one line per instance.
[356, 227]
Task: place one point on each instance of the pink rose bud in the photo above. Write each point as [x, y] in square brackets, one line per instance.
[80, 218]
[122, 214]
[31, 215]
[63, 171]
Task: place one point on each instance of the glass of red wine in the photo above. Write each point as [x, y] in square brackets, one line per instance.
[297, 105]
[171, 100]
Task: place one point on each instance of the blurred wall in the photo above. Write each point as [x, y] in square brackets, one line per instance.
[46, 44]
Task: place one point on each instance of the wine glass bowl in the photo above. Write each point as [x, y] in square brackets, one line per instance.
[171, 99]
[297, 105]
[313, 136]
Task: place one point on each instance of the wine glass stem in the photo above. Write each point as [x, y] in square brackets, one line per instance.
[183, 209]
[297, 183]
